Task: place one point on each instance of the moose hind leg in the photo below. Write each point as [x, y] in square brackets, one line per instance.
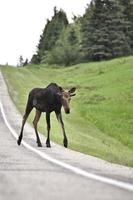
[35, 122]
[29, 108]
[21, 132]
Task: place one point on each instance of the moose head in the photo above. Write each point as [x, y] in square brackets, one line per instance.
[66, 98]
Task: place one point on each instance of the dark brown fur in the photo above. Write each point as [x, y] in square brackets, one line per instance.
[47, 100]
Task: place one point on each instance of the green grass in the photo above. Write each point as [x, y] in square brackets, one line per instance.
[101, 119]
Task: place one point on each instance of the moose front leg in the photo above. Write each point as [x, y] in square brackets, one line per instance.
[59, 117]
[48, 129]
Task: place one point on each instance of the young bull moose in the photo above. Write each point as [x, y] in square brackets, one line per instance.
[47, 100]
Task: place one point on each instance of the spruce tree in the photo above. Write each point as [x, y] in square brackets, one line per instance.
[50, 35]
[103, 33]
[128, 14]
[21, 61]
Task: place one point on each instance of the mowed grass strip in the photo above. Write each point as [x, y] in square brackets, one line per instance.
[101, 119]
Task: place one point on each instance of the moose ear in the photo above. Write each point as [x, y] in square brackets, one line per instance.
[61, 89]
[72, 90]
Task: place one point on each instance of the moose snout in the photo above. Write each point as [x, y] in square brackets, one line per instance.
[67, 111]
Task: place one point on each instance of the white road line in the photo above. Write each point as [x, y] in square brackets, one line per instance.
[76, 170]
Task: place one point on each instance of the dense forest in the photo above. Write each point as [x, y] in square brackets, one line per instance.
[105, 31]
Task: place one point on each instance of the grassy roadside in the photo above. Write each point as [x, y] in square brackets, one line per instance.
[101, 120]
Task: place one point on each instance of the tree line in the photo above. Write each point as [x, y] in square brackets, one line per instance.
[105, 31]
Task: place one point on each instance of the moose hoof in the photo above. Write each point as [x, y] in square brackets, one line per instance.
[65, 143]
[48, 144]
[39, 145]
[19, 141]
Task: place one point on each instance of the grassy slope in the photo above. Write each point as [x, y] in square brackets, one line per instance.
[101, 121]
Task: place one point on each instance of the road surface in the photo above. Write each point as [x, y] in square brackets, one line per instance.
[26, 175]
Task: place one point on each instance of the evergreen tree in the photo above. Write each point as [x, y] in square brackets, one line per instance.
[128, 14]
[21, 61]
[103, 33]
[43, 44]
[25, 62]
[51, 34]
[35, 59]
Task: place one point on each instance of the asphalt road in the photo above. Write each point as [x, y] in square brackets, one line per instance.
[25, 175]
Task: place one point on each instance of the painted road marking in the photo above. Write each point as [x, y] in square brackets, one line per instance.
[76, 170]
